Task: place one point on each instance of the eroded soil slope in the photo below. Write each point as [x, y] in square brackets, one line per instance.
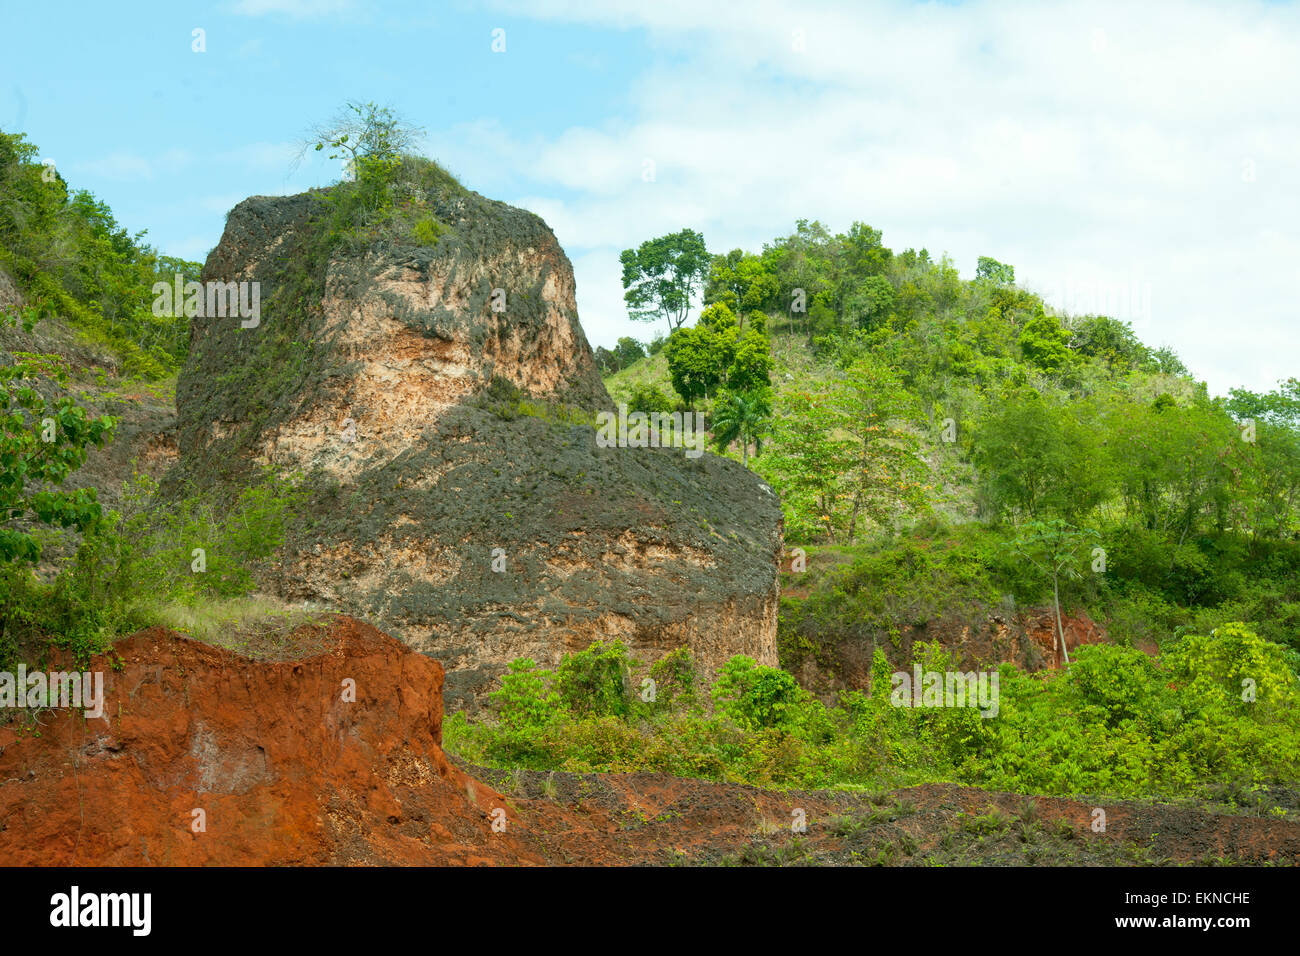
[288, 770]
[285, 769]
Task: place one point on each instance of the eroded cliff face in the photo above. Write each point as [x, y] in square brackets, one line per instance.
[428, 393]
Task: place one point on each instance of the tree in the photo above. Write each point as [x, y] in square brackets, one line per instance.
[1272, 477]
[869, 305]
[742, 282]
[800, 262]
[1045, 342]
[628, 350]
[1036, 459]
[1280, 407]
[887, 473]
[1056, 548]
[1173, 465]
[42, 441]
[693, 367]
[648, 397]
[749, 361]
[661, 277]
[718, 352]
[743, 416]
[606, 361]
[998, 273]
[863, 251]
[1108, 339]
[371, 140]
[841, 451]
[1165, 361]
[807, 457]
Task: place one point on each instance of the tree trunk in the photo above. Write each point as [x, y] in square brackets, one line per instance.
[1060, 628]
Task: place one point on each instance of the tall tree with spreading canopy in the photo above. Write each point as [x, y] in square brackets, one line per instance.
[662, 276]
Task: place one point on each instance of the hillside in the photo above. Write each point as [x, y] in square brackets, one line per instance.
[1179, 509]
[1088, 566]
[261, 758]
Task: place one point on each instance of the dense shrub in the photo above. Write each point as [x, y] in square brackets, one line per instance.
[139, 559]
[1117, 723]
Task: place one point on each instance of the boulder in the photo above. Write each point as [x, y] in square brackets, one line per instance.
[435, 390]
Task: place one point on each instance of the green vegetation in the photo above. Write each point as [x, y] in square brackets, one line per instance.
[42, 441]
[148, 563]
[662, 275]
[1118, 723]
[742, 417]
[75, 263]
[184, 559]
[906, 399]
[944, 449]
[627, 351]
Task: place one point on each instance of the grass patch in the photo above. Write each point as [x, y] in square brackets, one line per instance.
[256, 626]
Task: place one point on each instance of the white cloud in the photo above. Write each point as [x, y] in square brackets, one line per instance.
[296, 9]
[1149, 146]
[274, 157]
[124, 166]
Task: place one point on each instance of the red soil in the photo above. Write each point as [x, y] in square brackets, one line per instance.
[285, 770]
[288, 772]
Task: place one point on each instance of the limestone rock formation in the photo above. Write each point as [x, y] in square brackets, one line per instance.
[432, 391]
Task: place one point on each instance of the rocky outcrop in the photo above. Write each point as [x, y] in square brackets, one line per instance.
[840, 662]
[437, 394]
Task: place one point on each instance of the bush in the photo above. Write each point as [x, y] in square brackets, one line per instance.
[525, 700]
[595, 681]
[647, 397]
[1119, 683]
[1117, 723]
[675, 680]
[138, 561]
[755, 696]
[1232, 664]
[427, 231]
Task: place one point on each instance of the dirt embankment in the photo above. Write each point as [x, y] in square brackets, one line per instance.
[288, 766]
[285, 766]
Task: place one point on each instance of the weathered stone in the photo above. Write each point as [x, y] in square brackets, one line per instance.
[422, 416]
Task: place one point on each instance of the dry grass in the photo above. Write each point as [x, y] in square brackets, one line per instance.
[256, 626]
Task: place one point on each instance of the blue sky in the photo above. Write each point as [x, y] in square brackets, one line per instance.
[1141, 160]
[172, 138]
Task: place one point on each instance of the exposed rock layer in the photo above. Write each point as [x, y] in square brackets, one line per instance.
[428, 393]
